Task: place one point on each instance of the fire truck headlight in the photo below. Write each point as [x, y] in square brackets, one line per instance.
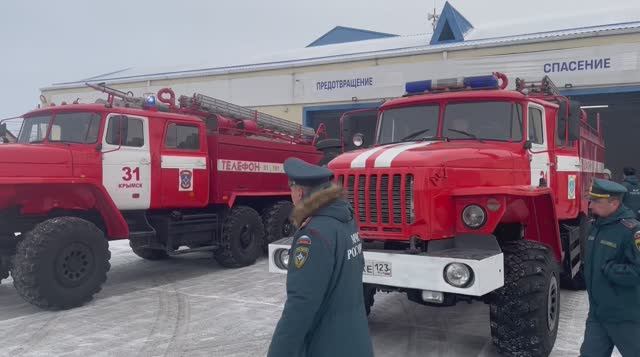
[459, 275]
[474, 216]
[358, 140]
[281, 258]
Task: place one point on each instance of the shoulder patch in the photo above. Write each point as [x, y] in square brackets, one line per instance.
[630, 223]
[304, 240]
[300, 256]
[636, 239]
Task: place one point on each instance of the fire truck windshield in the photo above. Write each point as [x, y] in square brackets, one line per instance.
[78, 128]
[413, 123]
[500, 121]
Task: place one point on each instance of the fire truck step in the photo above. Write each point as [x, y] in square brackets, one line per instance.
[145, 239]
[208, 248]
[138, 222]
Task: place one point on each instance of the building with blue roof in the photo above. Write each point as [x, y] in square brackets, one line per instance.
[591, 55]
[342, 34]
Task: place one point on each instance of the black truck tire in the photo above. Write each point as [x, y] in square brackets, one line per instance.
[369, 292]
[525, 311]
[277, 222]
[242, 238]
[149, 254]
[61, 263]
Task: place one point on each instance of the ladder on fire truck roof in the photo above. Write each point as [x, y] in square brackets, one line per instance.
[217, 106]
[202, 103]
[543, 87]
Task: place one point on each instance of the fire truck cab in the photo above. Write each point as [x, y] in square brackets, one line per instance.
[475, 192]
[173, 178]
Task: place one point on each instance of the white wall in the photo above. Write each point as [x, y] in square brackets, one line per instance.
[305, 86]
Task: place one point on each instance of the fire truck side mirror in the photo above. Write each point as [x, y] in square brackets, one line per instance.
[574, 120]
[3, 130]
[569, 119]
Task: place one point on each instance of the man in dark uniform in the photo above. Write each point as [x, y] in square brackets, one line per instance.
[612, 274]
[632, 184]
[324, 314]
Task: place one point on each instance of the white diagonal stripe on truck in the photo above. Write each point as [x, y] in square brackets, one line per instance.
[360, 161]
[387, 157]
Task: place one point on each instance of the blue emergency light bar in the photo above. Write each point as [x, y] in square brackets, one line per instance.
[150, 101]
[481, 82]
[474, 82]
[417, 87]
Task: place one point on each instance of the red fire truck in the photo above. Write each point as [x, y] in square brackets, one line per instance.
[173, 178]
[475, 192]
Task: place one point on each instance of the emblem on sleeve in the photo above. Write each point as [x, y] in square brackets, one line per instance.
[637, 239]
[304, 240]
[300, 256]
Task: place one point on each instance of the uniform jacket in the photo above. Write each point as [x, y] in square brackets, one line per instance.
[324, 315]
[612, 267]
[632, 197]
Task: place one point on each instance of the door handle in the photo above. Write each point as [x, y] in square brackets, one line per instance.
[145, 161]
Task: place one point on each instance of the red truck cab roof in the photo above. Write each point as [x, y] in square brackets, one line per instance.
[467, 95]
[101, 108]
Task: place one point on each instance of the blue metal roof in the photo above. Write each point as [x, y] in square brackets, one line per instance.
[486, 36]
[452, 26]
[342, 34]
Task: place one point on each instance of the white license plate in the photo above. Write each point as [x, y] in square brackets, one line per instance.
[377, 268]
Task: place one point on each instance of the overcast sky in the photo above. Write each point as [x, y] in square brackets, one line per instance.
[45, 41]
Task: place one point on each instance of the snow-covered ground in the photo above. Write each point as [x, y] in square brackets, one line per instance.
[189, 306]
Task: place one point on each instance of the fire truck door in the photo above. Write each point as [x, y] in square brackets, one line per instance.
[126, 161]
[184, 172]
[538, 154]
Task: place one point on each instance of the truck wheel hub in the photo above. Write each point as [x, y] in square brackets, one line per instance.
[74, 263]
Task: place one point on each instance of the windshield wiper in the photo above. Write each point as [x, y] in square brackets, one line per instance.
[414, 134]
[467, 134]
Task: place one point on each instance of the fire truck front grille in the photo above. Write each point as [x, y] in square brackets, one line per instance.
[361, 195]
[384, 199]
[381, 198]
[408, 192]
[373, 208]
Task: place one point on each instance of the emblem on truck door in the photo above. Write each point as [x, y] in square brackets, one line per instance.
[185, 180]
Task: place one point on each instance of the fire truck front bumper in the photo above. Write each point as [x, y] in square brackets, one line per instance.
[464, 269]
